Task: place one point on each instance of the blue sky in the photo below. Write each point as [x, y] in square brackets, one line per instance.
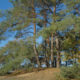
[5, 4]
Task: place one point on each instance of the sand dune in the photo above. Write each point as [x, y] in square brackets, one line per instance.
[48, 74]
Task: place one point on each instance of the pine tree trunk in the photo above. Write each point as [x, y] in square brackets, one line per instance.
[52, 52]
[34, 37]
[48, 47]
[58, 52]
[57, 40]
[58, 59]
[46, 52]
[36, 54]
[34, 46]
[46, 55]
[51, 65]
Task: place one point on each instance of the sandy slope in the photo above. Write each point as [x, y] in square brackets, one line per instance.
[48, 74]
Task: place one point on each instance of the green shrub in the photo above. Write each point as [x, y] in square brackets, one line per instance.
[71, 72]
[59, 77]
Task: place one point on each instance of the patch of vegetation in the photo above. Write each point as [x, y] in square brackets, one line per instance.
[59, 77]
[71, 72]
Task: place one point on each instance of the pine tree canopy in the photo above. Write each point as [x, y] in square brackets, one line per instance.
[42, 29]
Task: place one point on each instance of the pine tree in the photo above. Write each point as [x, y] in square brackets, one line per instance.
[22, 16]
[13, 54]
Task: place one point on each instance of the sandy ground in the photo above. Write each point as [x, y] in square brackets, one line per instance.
[48, 74]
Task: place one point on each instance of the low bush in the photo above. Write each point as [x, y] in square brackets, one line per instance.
[59, 77]
[71, 72]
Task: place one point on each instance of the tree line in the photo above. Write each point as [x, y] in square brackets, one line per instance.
[55, 21]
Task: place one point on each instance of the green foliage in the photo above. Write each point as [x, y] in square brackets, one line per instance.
[11, 65]
[13, 54]
[71, 72]
[17, 48]
[24, 16]
[1, 14]
[59, 77]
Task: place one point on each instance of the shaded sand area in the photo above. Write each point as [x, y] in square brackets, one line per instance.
[48, 74]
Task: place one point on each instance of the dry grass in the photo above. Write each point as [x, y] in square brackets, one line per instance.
[48, 74]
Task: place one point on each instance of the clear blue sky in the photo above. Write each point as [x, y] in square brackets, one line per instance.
[5, 4]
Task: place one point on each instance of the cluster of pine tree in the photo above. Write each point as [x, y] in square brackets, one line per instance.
[57, 22]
